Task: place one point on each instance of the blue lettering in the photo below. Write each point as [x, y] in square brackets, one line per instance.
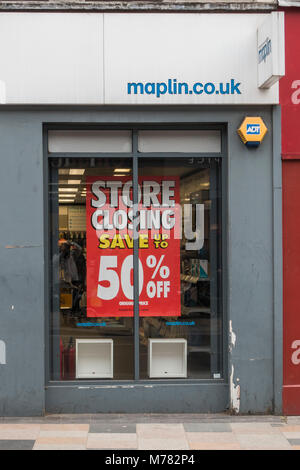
[235, 87]
[211, 86]
[264, 50]
[198, 88]
[150, 91]
[186, 88]
[171, 87]
[161, 89]
[135, 87]
[226, 91]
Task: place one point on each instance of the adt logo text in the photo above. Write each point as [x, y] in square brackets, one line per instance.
[253, 129]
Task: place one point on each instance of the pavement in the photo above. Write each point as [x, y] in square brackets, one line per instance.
[150, 432]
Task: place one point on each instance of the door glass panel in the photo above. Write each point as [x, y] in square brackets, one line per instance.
[180, 304]
[91, 310]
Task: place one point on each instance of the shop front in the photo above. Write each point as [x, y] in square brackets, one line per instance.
[142, 233]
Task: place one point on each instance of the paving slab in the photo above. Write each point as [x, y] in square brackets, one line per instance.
[65, 427]
[19, 431]
[255, 428]
[58, 447]
[216, 438]
[263, 442]
[294, 442]
[207, 427]
[112, 428]
[290, 428]
[112, 441]
[291, 435]
[162, 444]
[16, 444]
[61, 440]
[294, 420]
[215, 446]
[63, 434]
[160, 431]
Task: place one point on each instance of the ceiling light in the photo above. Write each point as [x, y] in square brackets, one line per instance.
[77, 171]
[67, 190]
[74, 181]
[63, 172]
[66, 200]
[122, 170]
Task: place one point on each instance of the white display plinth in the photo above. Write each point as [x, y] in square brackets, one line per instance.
[167, 358]
[94, 358]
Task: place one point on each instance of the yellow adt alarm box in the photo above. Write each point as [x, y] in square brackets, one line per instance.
[252, 131]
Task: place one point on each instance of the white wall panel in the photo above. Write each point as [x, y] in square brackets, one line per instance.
[179, 141]
[89, 141]
[83, 58]
[51, 58]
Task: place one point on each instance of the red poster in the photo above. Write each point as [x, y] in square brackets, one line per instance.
[109, 211]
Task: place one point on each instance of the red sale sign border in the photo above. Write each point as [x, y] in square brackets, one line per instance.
[109, 217]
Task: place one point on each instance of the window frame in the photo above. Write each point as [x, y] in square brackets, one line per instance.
[135, 155]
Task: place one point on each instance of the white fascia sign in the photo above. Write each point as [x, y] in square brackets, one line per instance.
[270, 50]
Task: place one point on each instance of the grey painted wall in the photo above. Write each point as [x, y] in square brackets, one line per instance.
[21, 265]
[249, 289]
[250, 272]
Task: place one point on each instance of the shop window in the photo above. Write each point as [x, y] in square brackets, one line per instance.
[136, 264]
[188, 263]
[77, 314]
